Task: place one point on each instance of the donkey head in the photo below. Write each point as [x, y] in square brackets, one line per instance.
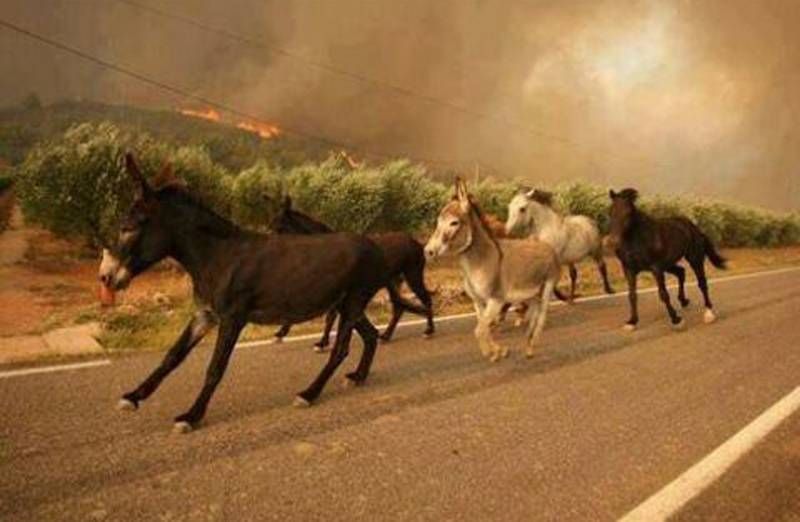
[453, 229]
[144, 236]
[622, 214]
[524, 206]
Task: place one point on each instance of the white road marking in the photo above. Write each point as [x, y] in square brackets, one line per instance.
[591, 298]
[51, 369]
[413, 322]
[677, 493]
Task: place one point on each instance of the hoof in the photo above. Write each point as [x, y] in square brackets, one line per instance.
[277, 340]
[352, 382]
[494, 358]
[529, 354]
[628, 327]
[384, 340]
[685, 304]
[504, 353]
[126, 405]
[709, 316]
[300, 402]
[427, 335]
[319, 349]
[181, 427]
[679, 326]
[518, 323]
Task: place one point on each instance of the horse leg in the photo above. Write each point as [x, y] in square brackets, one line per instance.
[630, 276]
[340, 350]
[229, 330]
[194, 332]
[283, 332]
[663, 294]
[415, 278]
[537, 316]
[573, 281]
[397, 312]
[369, 336]
[700, 271]
[483, 331]
[325, 340]
[601, 266]
[680, 272]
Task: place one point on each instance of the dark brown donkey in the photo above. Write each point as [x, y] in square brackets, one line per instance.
[241, 277]
[404, 256]
[643, 243]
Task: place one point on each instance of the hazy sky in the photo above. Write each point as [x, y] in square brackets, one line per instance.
[666, 95]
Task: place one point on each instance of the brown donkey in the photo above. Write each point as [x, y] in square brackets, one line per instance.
[241, 277]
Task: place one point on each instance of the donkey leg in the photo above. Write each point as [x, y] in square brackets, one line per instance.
[630, 276]
[325, 340]
[573, 281]
[700, 271]
[539, 317]
[679, 272]
[340, 350]
[229, 331]
[194, 332]
[369, 336]
[663, 294]
[282, 332]
[483, 332]
[416, 282]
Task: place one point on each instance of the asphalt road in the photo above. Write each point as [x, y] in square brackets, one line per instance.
[592, 426]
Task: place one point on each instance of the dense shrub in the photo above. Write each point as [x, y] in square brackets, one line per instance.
[75, 185]
[256, 195]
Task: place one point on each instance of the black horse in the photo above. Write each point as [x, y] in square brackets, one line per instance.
[642, 243]
[240, 277]
[405, 259]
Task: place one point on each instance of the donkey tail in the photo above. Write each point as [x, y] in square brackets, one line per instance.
[716, 259]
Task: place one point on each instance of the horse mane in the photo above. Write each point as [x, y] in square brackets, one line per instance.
[629, 194]
[202, 216]
[543, 197]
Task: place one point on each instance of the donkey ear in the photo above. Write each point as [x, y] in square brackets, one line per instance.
[143, 189]
[612, 194]
[461, 193]
[166, 177]
[530, 193]
[287, 202]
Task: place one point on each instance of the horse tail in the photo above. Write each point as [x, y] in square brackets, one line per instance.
[402, 303]
[716, 259]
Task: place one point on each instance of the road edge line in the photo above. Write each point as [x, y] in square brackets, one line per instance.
[52, 369]
[672, 497]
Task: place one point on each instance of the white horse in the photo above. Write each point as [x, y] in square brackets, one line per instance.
[495, 272]
[573, 238]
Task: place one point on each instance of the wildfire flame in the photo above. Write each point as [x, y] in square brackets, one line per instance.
[264, 130]
[206, 114]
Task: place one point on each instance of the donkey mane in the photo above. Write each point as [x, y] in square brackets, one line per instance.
[201, 216]
[483, 219]
[308, 223]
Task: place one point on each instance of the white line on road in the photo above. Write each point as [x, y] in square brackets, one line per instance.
[51, 369]
[600, 297]
[413, 322]
[677, 493]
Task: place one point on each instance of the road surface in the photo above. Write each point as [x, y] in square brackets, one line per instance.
[599, 421]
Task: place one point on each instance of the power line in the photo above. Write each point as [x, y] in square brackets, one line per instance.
[182, 92]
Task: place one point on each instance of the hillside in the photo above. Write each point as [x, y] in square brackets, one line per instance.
[235, 148]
